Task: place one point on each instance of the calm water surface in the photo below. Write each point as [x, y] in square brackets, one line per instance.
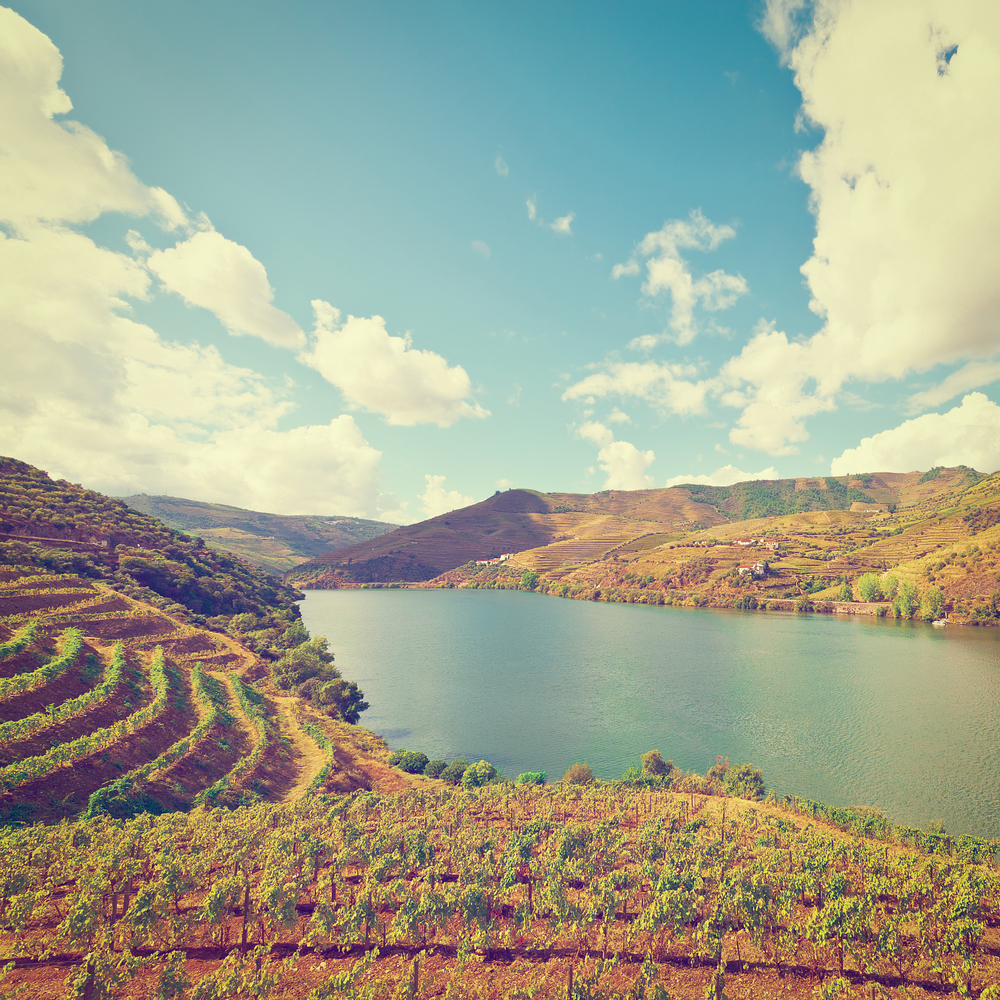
[846, 710]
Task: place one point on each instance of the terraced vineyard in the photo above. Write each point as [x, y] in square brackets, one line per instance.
[108, 705]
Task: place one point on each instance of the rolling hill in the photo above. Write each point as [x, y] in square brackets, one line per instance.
[555, 531]
[276, 542]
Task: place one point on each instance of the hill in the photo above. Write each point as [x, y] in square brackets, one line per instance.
[578, 542]
[277, 542]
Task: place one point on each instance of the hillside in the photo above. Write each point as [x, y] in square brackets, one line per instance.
[681, 546]
[211, 826]
[276, 542]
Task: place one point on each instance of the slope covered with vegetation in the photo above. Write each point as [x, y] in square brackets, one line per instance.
[276, 542]
[575, 529]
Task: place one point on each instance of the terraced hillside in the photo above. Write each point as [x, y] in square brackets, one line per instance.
[111, 706]
[942, 550]
[275, 542]
[552, 532]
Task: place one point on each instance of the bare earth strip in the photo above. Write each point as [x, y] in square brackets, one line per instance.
[309, 756]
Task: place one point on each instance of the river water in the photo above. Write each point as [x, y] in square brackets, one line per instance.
[848, 710]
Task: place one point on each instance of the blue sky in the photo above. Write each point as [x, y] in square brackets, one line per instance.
[383, 259]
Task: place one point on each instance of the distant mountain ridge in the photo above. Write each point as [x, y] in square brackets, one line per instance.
[584, 526]
[277, 542]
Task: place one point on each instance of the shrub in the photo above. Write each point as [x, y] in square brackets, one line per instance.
[454, 771]
[529, 579]
[477, 775]
[845, 593]
[434, 768]
[578, 774]
[531, 778]
[654, 764]
[412, 762]
[744, 782]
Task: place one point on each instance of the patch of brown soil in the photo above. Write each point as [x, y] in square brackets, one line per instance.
[106, 607]
[213, 756]
[308, 756]
[23, 663]
[972, 585]
[112, 629]
[361, 762]
[196, 642]
[122, 702]
[67, 790]
[19, 605]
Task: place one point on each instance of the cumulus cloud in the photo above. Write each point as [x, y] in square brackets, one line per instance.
[563, 223]
[481, 248]
[907, 208]
[968, 434]
[384, 374]
[668, 272]
[501, 166]
[669, 387]
[623, 463]
[532, 204]
[437, 500]
[92, 395]
[58, 172]
[725, 476]
[209, 271]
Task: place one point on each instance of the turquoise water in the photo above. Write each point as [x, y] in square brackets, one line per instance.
[847, 710]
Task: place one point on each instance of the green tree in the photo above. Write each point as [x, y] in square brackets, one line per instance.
[890, 585]
[434, 768]
[530, 778]
[907, 600]
[870, 587]
[477, 775]
[529, 580]
[846, 592]
[454, 771]
[342, 699]
[654, 764]
[932, 605]
[744, 781]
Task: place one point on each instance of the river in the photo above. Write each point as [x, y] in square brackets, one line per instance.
[848, 710]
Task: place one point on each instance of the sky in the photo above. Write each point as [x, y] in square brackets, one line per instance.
[384, 259]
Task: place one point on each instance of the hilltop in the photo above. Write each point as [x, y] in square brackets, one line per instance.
[793, 544]
[277, 542]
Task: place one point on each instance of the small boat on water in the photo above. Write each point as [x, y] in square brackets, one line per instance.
[940, 623]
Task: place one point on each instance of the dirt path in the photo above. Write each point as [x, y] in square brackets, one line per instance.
[309, 756]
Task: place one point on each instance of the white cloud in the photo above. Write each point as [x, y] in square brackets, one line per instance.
[617, 417]
[907, 207]
[623, 463]
[437, 500]
[563, 223]
[781, 23]
[209, 271]
[501, 166]
[94, 396]
[968, 434]
[667, 271]
[503, 484]
[669, 387]
[57, 172]
[481, 248]
[532, 204]
[725, 476]
[385, 374]
[970, 376]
